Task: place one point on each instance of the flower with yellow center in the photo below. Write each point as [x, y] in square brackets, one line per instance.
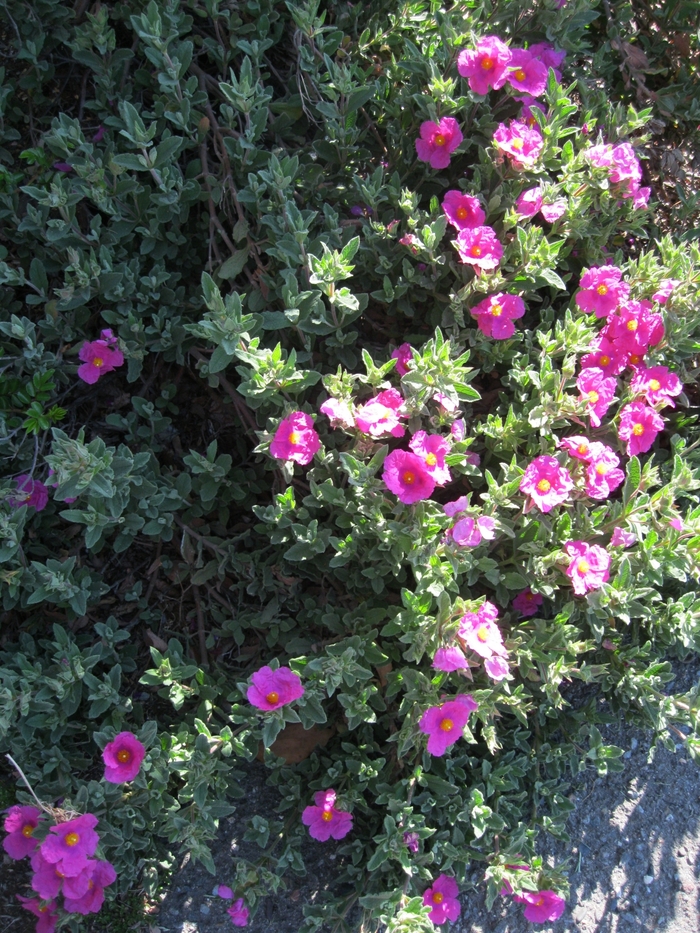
[632, 325]
[446, 725]
[487, 63]
[98, 361]
[519, 75]
[408, 477]
[28, 830]
[583, 566]
[605, 360]
[72, 839]
[438, 898]
[593, 397]
[293, 437]
[638, 430]
[431, 459]
[635, 358]
[582, 449]
[272, 697]
[602, 289]
[517, 144]
[602, 468]
[475, 250]
[123, 755]
[482, 633]
[327, 816]
[439, 140]
[496, 310]
[462, 213]
[544, 485]
[654, 385]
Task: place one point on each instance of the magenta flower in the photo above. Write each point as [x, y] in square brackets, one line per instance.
[479, 632]
[223, 891]
[271, 689]
[101, 875]
[634, 328]
[442, 897]
[411, 841]
[458, 429]
[456, 506]
[480, 247]
[603, 476]
[432, 450]
[547, 483]
[553, 211]
[410, 240]
[527, 603]
[30, 492]
[444, 724]
[71, 843]
[406, 475]
[98, 358]
[324, 820]
[47, 913]
[589, 567]
[526, 73]
[529, 202]
[450, 659]
[623, 169]
[663, 292]
[122, 757]
[657, 384]
[495, 315]
[486, 66]
[295, 439]
[404, 357]
[602, 290]
[381, 415]
[578, 446]
[622, 538]
[527, 114]
[605, 355]
[437, 141]
[639, 426]
[20, 823]
[549, 57]
[468, 532]
[598, 391]
[239, 913]
[541, 905]
[520, 142]
[462, 210]
[48, 879]
[338, 413]
[497, 668]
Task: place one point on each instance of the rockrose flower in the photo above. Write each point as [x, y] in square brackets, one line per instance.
[238, 913]
[479, 632]
[338, 413]
[622, 538]
[598, 391]
[48, 879]
[526, 73]
[606, 356]
[406, 475]
[663, 292]
[634, 328]
[324, 820]
[495, 315]
[603, 476]
[496, 667]
[444, 724]
[527, 603]
[589, 567]
[541, 905]
[549, 57]
[546, 483]
[100, 875]
[99, 357]
[468, 532]
[71, 844]
[462, 210]
[271, 689]
[579, 447]
[657, 384]
[20, 823]
[442, 898]
[450, 659]
[437, 141]
[404, 357]
[486, 66]
[520, 142]
[602, 290]
[30, 492]
[624, 170]
[527, 114]
[381, 415]
[639, 426]
[47, 913]
[554, 210]
[411, 841]
[122, 757]
[480, 247]
[432, 450]
[529, 202]
[296, 439]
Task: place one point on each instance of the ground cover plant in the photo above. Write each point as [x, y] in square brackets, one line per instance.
[348, 367]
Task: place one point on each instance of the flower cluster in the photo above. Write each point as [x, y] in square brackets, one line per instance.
[624, 170]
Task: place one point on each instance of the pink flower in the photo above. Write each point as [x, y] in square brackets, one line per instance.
[657, 384]
[445, 402]
[578, 446]
[624, 170]
[495, 315]
[442, 897]
[527, 603]
[405, 475]
[663, 292]
[486, 66]
[47, 914]
[224, 892]
[520, 142]
[456, 506]
[639, 426]
[622, 538]
[547, 483]
[496, 668]
[541, 905]
[98, 358]
[676, 523]
[410, 240]
[71, 843]
[589, 567]
[122, 757]
[458, 429]
[462, 210]
[548, 55]
[20, 823]
[602, 290]
[605, 355]
[598, 391]
[640, 196]
[480, 247]
[324, 820]
[381, 415]
[295, 439]
[527, 114]
[99, 135]
[437, 141]
[526, 73]
[602, 474]
[30, 492]
[529, 202]
[404, 357]
[271, 689]
[432, 450]
[444, 724]
[634, 328]
[450, 659]
[48, 878]
[481, 634]
[468, 533]
[552, 212]
[411, 841]
[239, 913]
[101, 875]
[338, 413]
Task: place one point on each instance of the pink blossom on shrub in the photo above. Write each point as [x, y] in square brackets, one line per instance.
[480, 247]
[98, 358]
[548, 55]
[20, 823]
[527, 603]
[479, 632]
[634, 328]
[468, 532]
[456, 506]
[296, 439]
[223, 891]
[602, 290]
[578, 446]
[529, 202]
[338, 413]
[598, 391]
[497, 668]
[406, 475]
[437, 141]
[603, 476]
[122, 757]
[442, 898]
[495, 315]
[270, 689]
[541, 905]
[527, 114]
[444, 724]
[47, 878]
[432, 450]
[663, 292]
[622, 538]
[486, 66]
[101, 875]
[606, 356]
[527, 73]
[410, 240]
[553, 211]
[411, 841]
[404, 357]
[657, 384]
[462, 210]
[239, 913]
[589, 567]
[71, 843]
[324, 820]
[639, 426]
[381, 415]
[458, 429]
[547, 483]
[47, 913]
[30, 492]
[450, 659]
[444, 401]
[520, 142]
